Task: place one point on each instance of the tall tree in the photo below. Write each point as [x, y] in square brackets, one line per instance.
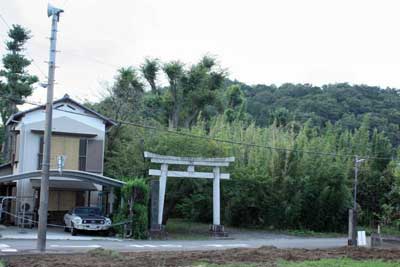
[236, 103]
[124, 102]
[200, 85]
[150, 69]
[126, 94]
[16, 83]
[191, 90]
[174, 71]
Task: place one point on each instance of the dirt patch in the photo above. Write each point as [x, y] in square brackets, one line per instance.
[265, 255]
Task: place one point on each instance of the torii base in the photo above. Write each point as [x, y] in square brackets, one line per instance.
[217, 231]
[158, 232]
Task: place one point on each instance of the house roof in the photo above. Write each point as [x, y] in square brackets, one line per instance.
[66, 98]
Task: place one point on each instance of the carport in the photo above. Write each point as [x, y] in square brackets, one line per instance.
[67, 189]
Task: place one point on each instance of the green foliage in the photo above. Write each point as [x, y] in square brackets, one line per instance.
[236, 104]
[16, 83]
[135, 194]
[269, 188]
[273, 188]
[341, 103]
[150, 69]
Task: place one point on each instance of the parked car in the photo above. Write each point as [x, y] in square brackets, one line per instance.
[86, 219]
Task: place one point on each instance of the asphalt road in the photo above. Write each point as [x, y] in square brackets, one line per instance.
[17, 246]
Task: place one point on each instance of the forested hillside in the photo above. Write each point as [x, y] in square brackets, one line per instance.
[341, 104]
[294, 145]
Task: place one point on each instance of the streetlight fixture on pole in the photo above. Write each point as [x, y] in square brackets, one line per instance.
[44, 185]
[354, 217]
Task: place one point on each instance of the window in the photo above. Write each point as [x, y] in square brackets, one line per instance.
[82, 154]
[72, 148]
[71, 107]
[40, 154]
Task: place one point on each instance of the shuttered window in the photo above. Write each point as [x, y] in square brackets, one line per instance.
[82, 154]
[62, 146]
[94, 160]
[40, 155]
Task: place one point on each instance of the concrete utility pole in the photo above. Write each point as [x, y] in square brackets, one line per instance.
[44, 185]
[354, 225]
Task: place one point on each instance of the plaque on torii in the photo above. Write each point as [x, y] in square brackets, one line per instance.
[164, 172]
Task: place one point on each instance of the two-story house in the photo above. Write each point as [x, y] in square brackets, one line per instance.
[77, 151]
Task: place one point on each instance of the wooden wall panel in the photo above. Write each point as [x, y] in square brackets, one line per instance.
[71, 150]
[67, 146]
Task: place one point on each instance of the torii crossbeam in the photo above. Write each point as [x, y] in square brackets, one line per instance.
[216, 175]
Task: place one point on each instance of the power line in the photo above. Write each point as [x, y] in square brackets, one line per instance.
[219, 140]
[4, 21]
[93, 59]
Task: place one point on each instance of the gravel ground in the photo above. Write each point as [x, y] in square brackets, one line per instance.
[265, 256]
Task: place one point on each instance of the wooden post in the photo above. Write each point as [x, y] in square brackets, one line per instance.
[216, 197]
[163, 184]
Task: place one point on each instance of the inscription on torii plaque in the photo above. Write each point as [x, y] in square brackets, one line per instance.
[191, 163]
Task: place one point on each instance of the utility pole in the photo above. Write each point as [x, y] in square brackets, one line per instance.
[354, 219]
[44, 185]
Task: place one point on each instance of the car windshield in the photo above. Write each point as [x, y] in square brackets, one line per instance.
[87, 211]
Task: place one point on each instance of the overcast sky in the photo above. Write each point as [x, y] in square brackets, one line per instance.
[298, 41]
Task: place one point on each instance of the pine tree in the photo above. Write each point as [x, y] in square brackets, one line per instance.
[15, 81]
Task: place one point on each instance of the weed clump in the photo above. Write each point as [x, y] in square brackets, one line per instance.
[105, 253]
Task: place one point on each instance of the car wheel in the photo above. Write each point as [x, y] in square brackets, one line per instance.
[106, 233]
[74, 231]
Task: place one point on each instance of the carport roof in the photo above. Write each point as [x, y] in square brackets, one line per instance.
[81, 175]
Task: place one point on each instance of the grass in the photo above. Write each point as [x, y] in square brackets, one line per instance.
[293, 232]
[3, 263]
[340, 263]
[385, 230]
[185, 230]
[105, 253]
[180, 229]
[308, 233]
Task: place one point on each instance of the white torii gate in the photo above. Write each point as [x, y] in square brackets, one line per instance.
[216, 175]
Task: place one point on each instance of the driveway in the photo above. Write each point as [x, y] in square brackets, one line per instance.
[8, 246]
[58, 241]
[13, 232]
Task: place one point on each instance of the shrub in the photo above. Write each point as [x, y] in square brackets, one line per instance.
[135, 194]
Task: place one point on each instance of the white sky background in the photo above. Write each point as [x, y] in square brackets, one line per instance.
[298, 41]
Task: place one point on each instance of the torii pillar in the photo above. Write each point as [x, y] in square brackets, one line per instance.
[216, 229]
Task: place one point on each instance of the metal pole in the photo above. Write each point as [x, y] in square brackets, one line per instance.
[354, 231]
[44, 185]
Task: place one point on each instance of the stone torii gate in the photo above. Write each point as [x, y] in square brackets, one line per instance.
[216, 175]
